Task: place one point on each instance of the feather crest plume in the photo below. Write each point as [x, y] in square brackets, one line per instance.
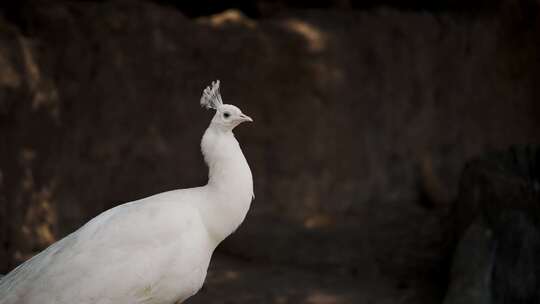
[211, 98]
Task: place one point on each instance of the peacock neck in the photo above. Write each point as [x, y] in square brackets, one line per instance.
[230, 183]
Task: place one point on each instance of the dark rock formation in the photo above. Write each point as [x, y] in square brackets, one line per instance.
[363, 121]
[471, 267]
[498, 258]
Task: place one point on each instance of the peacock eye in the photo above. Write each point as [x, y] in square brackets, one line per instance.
[226, 114]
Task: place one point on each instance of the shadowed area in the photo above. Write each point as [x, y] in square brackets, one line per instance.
[364, 119]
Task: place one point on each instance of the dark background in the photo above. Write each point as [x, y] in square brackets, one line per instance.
[365, 115]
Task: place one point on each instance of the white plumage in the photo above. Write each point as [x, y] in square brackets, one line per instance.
[155, 250]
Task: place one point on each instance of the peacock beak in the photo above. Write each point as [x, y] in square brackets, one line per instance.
[244, 117]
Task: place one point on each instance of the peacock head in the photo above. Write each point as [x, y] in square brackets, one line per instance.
[227, 116]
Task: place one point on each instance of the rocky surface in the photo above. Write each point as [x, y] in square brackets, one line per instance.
[471, 267]
[496, 260]
[363, 122]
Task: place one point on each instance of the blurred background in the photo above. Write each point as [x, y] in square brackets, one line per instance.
[366, 113]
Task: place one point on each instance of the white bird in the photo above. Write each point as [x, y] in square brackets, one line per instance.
[155, 250]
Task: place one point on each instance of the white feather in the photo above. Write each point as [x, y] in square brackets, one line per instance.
[155, 250]
[211, 98]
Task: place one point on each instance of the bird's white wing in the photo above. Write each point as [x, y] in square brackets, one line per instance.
[124, 255]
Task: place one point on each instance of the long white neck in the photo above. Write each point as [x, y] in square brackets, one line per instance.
[230, 184]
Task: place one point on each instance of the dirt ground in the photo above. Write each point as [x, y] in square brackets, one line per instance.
[232, 280]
